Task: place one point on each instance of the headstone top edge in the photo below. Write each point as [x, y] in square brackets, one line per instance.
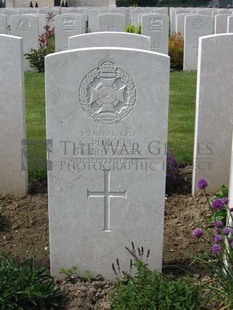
[11, 37]
[87, 49]
[213, 36]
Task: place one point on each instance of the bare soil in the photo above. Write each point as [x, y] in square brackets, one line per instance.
[24, 233]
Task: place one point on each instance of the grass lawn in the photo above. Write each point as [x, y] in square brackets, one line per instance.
[181, 119]
[35, 123]
[182, 115]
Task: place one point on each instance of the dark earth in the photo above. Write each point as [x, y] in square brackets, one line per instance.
[24, 233]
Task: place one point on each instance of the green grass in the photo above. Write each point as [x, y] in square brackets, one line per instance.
[182, 115]
[181, 119]
[35, 123]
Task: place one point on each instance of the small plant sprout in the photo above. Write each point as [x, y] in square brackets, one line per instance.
[69, 272]
[88, 275]
[137, 254]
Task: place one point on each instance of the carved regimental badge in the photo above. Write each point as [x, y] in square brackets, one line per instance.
[107, 93]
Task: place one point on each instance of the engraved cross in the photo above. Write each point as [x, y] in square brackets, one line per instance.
[107, 194]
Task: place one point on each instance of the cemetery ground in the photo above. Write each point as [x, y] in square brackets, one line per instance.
[24, 221]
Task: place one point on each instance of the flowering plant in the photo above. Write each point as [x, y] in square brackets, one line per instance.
[46, 42]
[221, 243]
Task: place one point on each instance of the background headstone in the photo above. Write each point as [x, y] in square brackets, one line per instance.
[180, 19]
[113, 39]
[112, 105]
[92, 15]
[13, 152]
[3, 24]
[111, 22]
[135, 12]
[157, 28]
[67, 25]
[196, 26]
[27, 27]
[220, 25]
[230, 24]
[214, 111]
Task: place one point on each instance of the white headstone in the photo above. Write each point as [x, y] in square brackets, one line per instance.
[55, 10]
[67, 25]
[196, 26]
[220, 25]
[93, 16]
[107, 118]
[135, 12]
[214, 111]
[157, 28]
[111, 22]
[230, 24]
[113, 39]
[173, 13]
[9, 13]
[214, 13]
[42, 20]
[224, 11]
[180, 18]
[163, 11]
[27, 11]
[27, 27]
[13, 155]
[3, 24]
[205, 11]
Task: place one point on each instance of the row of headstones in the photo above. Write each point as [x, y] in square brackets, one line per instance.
[154, 26]
[218, 18]
[30, 26]
[90, 14]
[132, 15]
[107, 118]
[195, 23]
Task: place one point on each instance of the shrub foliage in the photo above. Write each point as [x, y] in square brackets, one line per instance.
[176, 51]
[46, 42]
[134, 29]
[26, 287]
[149, 290]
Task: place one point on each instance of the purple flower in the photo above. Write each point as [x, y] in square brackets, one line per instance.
[218, 224]
[226, 230]
[216, 248]
[202, 183]
[218, 204]
[225, 201]
[218, 238]
[231, 209]
[197, 232]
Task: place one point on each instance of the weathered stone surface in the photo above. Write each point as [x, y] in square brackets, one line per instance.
[107, 118]
[214, 111]
[13, 154]
[3, 24]
[220, 25]
[26, 27]
[196, 26]
[67, 25]
[156, 26]
[111, 22]
[112, 39]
